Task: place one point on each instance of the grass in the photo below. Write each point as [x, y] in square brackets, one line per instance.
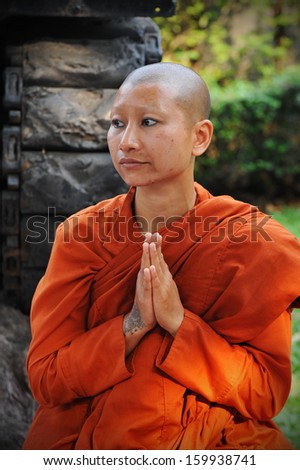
[289, 418]
[289, 216]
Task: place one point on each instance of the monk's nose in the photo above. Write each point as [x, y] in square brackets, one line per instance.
[130, 139]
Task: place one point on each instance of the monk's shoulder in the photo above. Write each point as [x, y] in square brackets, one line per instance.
[83, 224]
[244, 222]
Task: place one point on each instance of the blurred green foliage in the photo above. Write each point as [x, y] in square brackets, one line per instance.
[248, 53]
[255, 150]
[224, 40]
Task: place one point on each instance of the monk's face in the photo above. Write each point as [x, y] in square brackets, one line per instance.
[150, 138]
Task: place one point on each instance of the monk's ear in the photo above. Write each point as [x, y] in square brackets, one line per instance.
[203, 131]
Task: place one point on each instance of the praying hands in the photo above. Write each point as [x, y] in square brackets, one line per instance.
[156, 297]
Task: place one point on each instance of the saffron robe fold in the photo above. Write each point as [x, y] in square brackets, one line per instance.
[217, 384]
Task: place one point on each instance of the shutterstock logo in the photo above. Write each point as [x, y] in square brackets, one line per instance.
[41, 228]
[121, 229]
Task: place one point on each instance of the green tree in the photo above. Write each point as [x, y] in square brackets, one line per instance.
[224, 39]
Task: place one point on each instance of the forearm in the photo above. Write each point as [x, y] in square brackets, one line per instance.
[88, 365]
[134, 329]
[255, 379]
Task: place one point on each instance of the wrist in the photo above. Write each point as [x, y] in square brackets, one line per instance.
[134, 329]
[176, 323]
[133, 323]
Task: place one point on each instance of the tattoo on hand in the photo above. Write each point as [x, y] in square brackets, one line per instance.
[133, 322]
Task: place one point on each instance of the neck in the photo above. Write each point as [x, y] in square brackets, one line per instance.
[156, 208]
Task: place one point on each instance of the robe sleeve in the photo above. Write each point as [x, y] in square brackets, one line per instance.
[65, 361]
[253, 378]
[238, 352]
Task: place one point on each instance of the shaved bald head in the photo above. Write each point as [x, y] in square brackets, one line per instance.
[187, 88]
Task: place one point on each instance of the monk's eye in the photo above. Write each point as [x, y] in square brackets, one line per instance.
[148, 122]
[117, 123]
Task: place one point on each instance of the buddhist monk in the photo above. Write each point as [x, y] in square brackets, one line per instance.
[163, 320]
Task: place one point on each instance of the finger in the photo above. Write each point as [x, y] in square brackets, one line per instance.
[155, 258]
[154, 276]
[159, 246]
[147, 279]
[156, 238]
[156, 254]
[148, 237]
[145, 260]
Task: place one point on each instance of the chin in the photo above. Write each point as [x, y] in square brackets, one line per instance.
[137, 183]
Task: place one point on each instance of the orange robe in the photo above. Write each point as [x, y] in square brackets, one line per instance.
[217, 384]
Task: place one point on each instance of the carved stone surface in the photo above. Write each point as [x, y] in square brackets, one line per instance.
[67, 182]
[17, 405]
[65, 118]
[86, 63]
[60, 79]
[55, 185]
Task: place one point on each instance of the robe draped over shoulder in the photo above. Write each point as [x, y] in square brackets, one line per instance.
[217, 384]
